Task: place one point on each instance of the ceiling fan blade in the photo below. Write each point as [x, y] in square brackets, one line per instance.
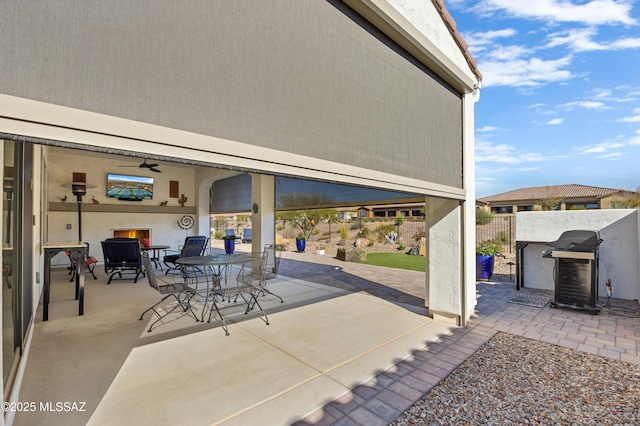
[153, 169]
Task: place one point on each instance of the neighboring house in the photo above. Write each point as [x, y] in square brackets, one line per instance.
[411, 210]
[556, 197]
[232, 96]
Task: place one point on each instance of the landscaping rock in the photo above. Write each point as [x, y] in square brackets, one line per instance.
[361, 242]
[351, 255]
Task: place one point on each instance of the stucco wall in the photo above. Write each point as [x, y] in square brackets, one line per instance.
[619, 253]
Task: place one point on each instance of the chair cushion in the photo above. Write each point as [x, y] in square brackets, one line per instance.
[171, 258]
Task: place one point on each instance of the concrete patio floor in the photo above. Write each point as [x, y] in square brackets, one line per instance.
[351, 345]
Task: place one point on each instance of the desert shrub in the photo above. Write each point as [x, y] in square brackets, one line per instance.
[218, 235]
[502, 238]
[364, 233]
[419, 235]
[344, 233]
[384, 230]
[483, 217]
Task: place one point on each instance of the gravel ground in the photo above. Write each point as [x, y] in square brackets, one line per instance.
[513, 380]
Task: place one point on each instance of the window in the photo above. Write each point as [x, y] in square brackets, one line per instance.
[502, 210]
[583, 206]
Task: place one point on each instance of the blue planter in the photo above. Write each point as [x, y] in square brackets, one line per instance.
[484, 267]
[229, 246]
[301, 244]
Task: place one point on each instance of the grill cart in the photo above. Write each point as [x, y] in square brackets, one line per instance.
[576, 270]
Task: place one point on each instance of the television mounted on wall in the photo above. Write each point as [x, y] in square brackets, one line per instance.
[129, 188]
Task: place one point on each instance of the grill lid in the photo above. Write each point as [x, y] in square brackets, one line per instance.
[577, 240]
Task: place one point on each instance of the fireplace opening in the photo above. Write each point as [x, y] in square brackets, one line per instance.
[140, 234]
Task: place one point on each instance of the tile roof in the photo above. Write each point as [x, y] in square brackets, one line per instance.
[451, 25]
[554, 191]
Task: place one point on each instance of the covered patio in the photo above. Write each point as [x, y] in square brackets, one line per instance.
[372, 352]
[337, 329]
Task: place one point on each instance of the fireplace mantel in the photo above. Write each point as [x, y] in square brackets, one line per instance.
[119, 208]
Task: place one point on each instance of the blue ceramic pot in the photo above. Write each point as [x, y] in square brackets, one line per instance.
[229, 246]
[484, 267]
[301, 244]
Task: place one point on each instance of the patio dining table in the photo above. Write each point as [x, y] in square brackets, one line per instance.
[214, 270]
[155, 250]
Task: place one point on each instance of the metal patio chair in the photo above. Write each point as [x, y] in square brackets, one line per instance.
[248, 285]
[272, 265]
[178, 290]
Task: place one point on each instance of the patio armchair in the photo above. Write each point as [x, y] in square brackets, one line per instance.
[193, 246]
[178, 290]
[122, 256]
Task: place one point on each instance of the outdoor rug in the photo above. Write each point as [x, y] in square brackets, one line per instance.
[531, 300]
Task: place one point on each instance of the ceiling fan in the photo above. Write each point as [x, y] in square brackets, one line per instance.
[145, 165]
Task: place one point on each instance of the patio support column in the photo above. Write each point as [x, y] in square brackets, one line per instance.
[263, 222]
[444, 277]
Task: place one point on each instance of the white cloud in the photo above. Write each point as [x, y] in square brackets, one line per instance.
[487, 129]
[595, 12]
[635, 140]
[534, 72]
[581, 40]
[611, 156]
[555, 121]
[633, 119]
[607, 95]
[504, 154]
[477, 40]
[602, 147]
[584, 104]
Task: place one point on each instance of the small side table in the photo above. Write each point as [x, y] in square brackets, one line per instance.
[155, 256]
[78, 251]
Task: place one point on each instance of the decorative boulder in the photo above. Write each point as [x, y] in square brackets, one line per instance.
[361, 242]
[351, 255]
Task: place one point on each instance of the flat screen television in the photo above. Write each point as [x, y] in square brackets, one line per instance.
[129, 188]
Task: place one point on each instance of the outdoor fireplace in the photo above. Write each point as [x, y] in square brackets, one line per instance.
[576, 269]
[140, 234]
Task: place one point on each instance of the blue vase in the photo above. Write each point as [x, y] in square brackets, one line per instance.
[229, 246]
[301, 244]
[484, 267]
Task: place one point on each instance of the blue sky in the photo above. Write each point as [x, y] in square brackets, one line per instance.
[560, 97]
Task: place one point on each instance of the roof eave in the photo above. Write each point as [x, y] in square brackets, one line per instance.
[388, 20]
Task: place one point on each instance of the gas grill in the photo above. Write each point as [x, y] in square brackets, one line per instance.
[576, 269]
